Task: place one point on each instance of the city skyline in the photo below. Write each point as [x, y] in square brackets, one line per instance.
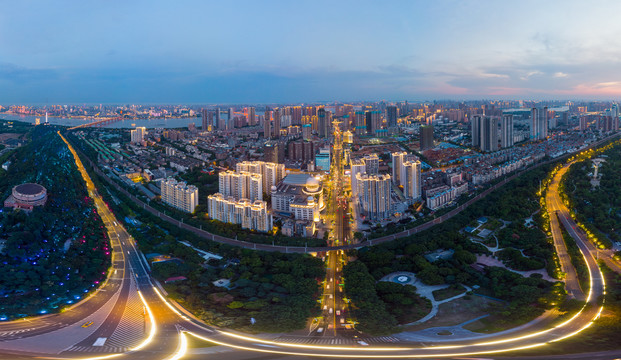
[198, 52]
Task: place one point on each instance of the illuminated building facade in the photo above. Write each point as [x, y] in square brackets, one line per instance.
[179, 195]
[250, 215]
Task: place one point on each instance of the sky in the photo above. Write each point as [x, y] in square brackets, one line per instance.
[183, 51]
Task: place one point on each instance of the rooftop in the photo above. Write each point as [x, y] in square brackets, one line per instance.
[29, 189]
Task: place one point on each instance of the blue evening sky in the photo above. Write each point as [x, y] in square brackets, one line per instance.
[302, 51]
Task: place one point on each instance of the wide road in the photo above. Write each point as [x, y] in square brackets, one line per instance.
[557, 206]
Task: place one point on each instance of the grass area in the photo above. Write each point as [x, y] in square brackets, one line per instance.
[420, 309]
[493, 224]
[448, 292]
[456, 312]
[490, 241]
[497, 321]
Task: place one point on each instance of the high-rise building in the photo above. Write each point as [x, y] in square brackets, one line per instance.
[391, 115]
[241, 185]
[274, 151]
[584, 123]
[267, 122]
[539, 124]
[207, 119]
[276, 123]
[179, 195]
[371, 163]
[271, 173]
[614, 114]
[307, 132]
[357, 167]
[489, 134]
[374, 195]
[296, 115]
[137, 135]
[426, 137]
[250, 215]
[303, 151]
[192, 127]
[475, 125]
[230, 114]
[360, 126]
[373, 122]
[506, 131]
[251, 116]
[397, 159]
[411, 179]
[219, 120]
[324, 118]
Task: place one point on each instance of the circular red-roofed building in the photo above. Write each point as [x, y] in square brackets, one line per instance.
[26, 196]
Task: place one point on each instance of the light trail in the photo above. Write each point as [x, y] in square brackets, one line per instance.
[153, 330]
[182, 349]
[170, 306]
[357, 356]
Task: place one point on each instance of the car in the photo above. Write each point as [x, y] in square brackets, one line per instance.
[330, 311]
[338, 312]
[320, 330]
[87, 324]
[362, 343]
[342, 321]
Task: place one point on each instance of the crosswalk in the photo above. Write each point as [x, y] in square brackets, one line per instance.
[324, 340]
[13, 333]
[97, 349]
[132, 327]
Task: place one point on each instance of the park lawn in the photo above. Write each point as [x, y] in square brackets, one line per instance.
[493, 224]
[448, 292]
[419, 310]
[456, 312]
[497, 322]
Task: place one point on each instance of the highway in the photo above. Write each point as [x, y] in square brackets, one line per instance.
[556, 205]
[167, 327]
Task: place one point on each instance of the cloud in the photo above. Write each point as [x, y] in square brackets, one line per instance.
[530, 74]
[560, 74]
[18, 74]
